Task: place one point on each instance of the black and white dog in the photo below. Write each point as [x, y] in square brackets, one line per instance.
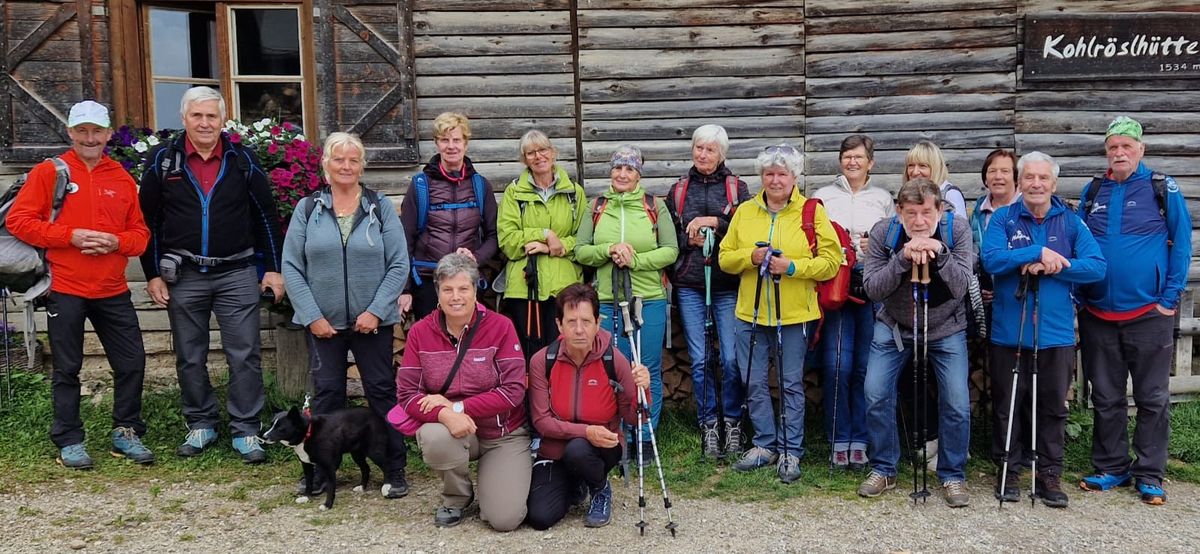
[322, 440]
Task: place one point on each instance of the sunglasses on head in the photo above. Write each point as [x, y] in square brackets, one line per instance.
[781, 149]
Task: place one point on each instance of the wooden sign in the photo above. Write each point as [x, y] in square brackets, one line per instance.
[1112, 46]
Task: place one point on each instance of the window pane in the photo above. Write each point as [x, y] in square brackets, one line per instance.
[166, 103]
[268, 41]
[279, 101]
[183, 44]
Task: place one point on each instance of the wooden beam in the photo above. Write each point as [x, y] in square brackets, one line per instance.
[326, 69]
[380, 109]
[87, 59]
[56, 122]
[385, 50]
[63, 14]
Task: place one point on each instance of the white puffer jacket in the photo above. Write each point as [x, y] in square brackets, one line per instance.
[856, 211]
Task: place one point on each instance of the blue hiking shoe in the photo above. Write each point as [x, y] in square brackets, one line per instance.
[1153, 495]
[1104, 481]
[126, 444]
[195, 443]
[600, 512]
[74, 457]
[250, 448]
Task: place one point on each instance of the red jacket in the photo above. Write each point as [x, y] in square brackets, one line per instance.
[577, 396]
[490, 383]
[106, 200]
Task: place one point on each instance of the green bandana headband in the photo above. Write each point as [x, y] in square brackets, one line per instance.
[1126, 127]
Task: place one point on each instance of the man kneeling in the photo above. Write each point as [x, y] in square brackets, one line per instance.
[579, 389]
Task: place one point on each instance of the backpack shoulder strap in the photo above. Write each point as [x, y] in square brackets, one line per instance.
[480, 187]
[598, 206]
[891, 241]
[650, 203]
[947, 229]
[62, 179]
[551, 357]
[731, 194]
[808, 222]
[420, 186]
[1159, 182]
[1089, 196]
[680, 191]
[610, 367]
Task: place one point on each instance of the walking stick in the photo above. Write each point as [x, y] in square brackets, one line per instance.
[1033, 413]
[924, 379]
[712, 368]
[616, 281]
[779, 358]
[1012, 398]
[837, 384]
[920, 282]
[758, 286]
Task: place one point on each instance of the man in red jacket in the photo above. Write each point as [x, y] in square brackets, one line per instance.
[88, 246]
[577, 405]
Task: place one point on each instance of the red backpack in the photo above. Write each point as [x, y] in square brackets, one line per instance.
[834, 292]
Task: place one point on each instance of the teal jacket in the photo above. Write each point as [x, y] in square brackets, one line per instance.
[653, 251]
[523, 217]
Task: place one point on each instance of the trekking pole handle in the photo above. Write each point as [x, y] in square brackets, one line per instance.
[1033, 282]
[625, 315]
[916, 275]
[925, 274]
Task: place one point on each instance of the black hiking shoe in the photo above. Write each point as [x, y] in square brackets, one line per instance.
[1049, 489]
[395, 487]
[1012, 487]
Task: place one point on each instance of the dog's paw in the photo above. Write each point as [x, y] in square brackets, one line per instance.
[385, 489]
[358, 488]
[322, 507]
[302, 500]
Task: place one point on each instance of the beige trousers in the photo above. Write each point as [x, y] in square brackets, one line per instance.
[504, 469]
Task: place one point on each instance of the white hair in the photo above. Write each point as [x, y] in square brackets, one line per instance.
[712, 134]
[780, 155]
[1036, 156]
[201, 94]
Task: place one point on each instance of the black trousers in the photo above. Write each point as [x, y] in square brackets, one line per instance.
[552, 481]
[1113, 352]
[1055, 368]
[116, 326]
[535, 334]
[425, 298]
[373, 354]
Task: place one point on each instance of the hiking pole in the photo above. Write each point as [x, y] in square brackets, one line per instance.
[624, 444]
[924, 379]
[1033, 413]
[758, 286]
[1012, 398]
[837, 384]
[779, 354]
[712, 369]
[644, 415]
[916, 297]
[920, 280]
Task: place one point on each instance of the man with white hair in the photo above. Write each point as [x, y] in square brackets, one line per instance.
[1037, 253]
[1141, 222]
[209, 208]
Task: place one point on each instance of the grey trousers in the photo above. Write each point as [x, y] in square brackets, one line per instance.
[504, 471]
[232, 296]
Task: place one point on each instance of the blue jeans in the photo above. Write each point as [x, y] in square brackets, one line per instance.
[949, 358]
[849, 330]
[654, 327]
[753, 366]
[692, 316]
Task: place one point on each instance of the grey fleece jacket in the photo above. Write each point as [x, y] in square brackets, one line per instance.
[887, 278]
[326, 279]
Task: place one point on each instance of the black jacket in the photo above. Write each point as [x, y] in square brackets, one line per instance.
[706, 196]
[239, 212]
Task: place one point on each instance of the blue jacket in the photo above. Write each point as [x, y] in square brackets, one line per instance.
[1133, 237]
[1014, 238]
[339, 282]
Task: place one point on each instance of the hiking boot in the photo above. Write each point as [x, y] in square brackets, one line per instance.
[840, 460]
[395, 487]
[74, 456]
[710, 438]
[1151, 494]
[197, 440]
[1049, 489]
[1012, 487]
[447, 517]
[858, 459]
[1104, 481]
[647, 454]
[755, 458]
[250, 448]
[600, 512]
[319, 483]
[788, 468]
[955, 494]
[733, 438]
[126, 444]
[876, 484]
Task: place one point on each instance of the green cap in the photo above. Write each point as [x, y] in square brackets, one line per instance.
[1125, 126]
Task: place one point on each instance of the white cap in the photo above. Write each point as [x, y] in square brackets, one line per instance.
[88, 112]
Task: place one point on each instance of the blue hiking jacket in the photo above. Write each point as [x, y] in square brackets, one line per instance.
[1133, 237]
[1014, 238]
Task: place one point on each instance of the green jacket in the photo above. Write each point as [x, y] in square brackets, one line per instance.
[561, 213]
[652, 253]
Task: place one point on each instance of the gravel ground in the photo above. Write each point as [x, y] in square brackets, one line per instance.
[239, 517]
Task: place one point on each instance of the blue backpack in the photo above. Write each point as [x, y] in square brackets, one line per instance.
[420, 187]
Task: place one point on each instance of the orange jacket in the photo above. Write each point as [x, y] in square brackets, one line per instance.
[106, 200]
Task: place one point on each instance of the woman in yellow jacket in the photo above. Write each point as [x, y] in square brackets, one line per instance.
[774, 318]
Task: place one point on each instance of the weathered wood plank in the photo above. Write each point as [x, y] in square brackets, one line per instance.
[490, 45]
[912, 40]
[928, 103]
[1097, 122]
[666, 128]
[510, 127]
[910, 122]
[1093, 144]
[694, 88]
[690, 37]
[825, 8]
[980, 60]
[494, 65]
[48, 27]
[55, 50]
[909, 84]
[689, 17]
[715, 108]
[681, 149]
[546, 84]
[958, 138]
[498, 107]
[958, 19]
[1110, 100]
[365, 73]
[610, 64]
[1106, 6]
[494, 23]
[694, 4]
[494, 5]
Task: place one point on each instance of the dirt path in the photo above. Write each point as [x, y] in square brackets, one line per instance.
[191, 517]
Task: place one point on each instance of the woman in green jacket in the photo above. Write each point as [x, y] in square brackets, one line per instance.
[536, 223]
[631, 231]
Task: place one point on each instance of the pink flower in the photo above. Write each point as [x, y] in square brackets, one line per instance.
[275, 130]
[272, 148]
[235, 138]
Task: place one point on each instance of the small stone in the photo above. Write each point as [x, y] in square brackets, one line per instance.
[78, 544]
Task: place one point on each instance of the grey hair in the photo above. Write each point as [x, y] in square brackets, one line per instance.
[537, 139]
[917, 191]
[341, 140]
[453, 264]
[1036, 156]
[787, 156]
[712, 134]
[201, 94]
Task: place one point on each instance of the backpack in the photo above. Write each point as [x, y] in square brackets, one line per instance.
[174, 164]
[649, 203]
[22, 266]
[1158, 181]
[420, 183]
[832, 293]
[372, 200]
[731, 194]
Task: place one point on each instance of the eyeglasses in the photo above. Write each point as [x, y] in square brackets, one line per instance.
[543, 152]
[784, 149]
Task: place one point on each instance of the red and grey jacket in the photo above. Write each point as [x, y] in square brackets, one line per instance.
[568, 398]
[490, 382]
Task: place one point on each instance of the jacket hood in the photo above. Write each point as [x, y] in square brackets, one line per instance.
[716, 176]
[434, 168]
[760, 200]
[636, 194]
[524, 183]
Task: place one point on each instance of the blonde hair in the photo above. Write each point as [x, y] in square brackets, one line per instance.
[341, 140]
[928, 153]
[534, 139]
[449, 121]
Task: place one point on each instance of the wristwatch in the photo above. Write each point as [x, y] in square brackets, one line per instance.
[457, 407]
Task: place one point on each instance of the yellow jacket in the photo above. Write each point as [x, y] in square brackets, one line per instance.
[752, 223]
